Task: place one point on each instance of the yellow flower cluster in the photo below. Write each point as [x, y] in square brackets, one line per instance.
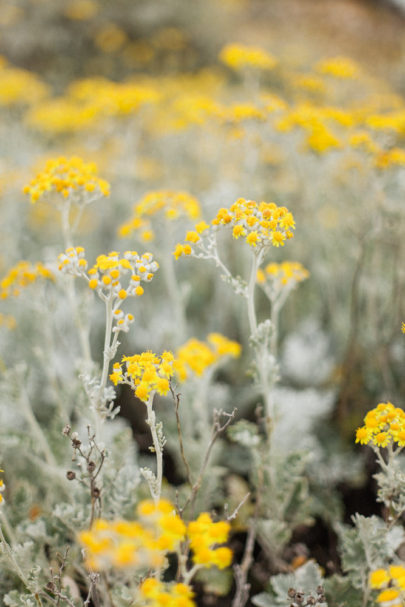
[165, 203]
[315, 122]
[239, 112]
[338, 67]
[383, 426]
[108, 98]
[389, 158]
[154, 593]
[106, 277]
[106, 274]
[61, 115]
[145, 373]
[260, 224]
[310, 82]
[91, 101]
[19, 86]
[240, 56]
[196, 356]
[391, 582]
[158, 530]
[20, 276]
[68, 177]
[320, 121]
[204, 536]
[139, 544]
[282, 274]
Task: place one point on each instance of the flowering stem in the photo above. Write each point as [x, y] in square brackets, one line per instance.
[151, 421]
[68, 239]
[251, 294]
[106, 363]
[83, 333]
[260, 354]
[107, 346]
[173, 290]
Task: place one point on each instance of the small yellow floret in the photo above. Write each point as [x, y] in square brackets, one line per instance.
[379, 578]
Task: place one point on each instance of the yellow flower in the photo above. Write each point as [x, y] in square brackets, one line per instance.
[252, 238]
[379, 578]
[383, 425]
[145, 373]
[339, 67]
[363, 436]
[64, 177]
[388, 595]
[154, 593]
[160, 204]
[20, 87]
[20, 276]
[239, 56]
[192, 237]
[204, 536]
[196, 356]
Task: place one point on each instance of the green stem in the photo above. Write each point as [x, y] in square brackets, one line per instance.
[151, 421]
[106, 363]
[259, 353]
[173, 289]
[251, 293]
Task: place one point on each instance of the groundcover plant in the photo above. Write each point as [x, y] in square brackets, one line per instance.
[201, 312]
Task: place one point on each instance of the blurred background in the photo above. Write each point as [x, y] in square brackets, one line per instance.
[316, 122]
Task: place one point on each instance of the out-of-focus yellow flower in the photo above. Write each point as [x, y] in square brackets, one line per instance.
[205, 539]
[284, 273]
[339, 67]
[20, 276]
[196, 356]
[157, 205]
[154, 593]
[140, 544]
[393, 157]
[18, 86]
[239, 56]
